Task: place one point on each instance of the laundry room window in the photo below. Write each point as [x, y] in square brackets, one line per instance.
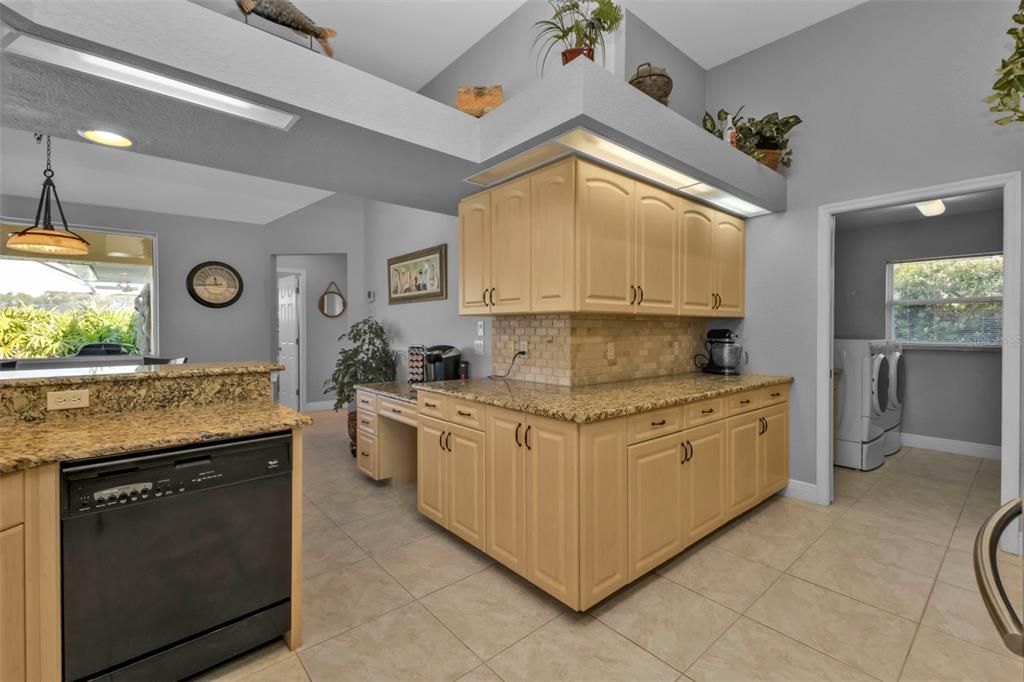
[954, 302]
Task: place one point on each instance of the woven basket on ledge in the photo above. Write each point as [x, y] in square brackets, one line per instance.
[653, 81]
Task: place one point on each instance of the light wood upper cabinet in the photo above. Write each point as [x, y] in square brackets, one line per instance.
[729, 261]
[506, 488]
[705, 479]
[657, 250]
[605, 240]
[431, 495]
[465, 508]
[604, 532]
[552, 507]
[510, 251]
[774, 449]
[743, 466]
[552, 237]
[696, 280]
[474, 254]
[658, 528]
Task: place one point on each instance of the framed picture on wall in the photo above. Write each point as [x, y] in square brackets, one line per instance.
[418, 276]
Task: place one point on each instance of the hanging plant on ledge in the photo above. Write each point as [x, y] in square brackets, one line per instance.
[1008, 90]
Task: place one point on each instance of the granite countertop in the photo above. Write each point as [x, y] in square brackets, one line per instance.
[88, 375]
[23, 446]
[396, 390]
[585, 404]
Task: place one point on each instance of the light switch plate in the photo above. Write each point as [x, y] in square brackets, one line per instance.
[67, 400]
[478, 347]
[479, 327]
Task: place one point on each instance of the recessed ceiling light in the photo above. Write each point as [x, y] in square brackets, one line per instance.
[931, 208]
[59, 55]
[106, 137]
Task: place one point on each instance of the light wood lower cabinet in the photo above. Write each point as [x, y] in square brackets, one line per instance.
[604, 510]
[450, 478]
[505, 489]
[431, 494]
[657, 504]
[12, 603]
[704, 480]
[743, 434]
[773, 453]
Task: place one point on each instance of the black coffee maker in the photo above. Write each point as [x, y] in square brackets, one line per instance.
[442, 363]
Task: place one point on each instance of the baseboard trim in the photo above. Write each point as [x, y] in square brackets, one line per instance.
[801, 490]
[957, 447]
[319, 406]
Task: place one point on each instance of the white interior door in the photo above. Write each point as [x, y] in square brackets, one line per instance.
[288, 339]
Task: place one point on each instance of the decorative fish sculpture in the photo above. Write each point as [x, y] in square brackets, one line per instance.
[288, 15]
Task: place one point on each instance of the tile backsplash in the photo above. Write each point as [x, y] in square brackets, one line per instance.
[581, 349]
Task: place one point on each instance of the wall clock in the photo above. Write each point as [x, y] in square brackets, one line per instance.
[214, 284]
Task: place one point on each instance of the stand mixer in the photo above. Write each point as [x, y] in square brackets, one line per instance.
[723, 355]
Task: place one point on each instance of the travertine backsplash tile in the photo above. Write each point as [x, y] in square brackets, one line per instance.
[573, 350]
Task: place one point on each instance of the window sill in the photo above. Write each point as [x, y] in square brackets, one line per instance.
[968, 347]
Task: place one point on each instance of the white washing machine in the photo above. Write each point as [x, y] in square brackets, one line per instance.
[892, 422]
[863, 401]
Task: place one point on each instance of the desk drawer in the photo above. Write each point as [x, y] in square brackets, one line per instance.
[743, 402]
[366, 401]
[12, 499]
[647, 425]
[395, 409]
[703, 412]
[367, 421]
[774, 394]
[366, 454]
[431, 404]
[466, 413]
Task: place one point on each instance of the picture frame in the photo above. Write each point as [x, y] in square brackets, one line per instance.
[418, 276]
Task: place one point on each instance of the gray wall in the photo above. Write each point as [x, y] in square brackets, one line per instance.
[393, 230]
[891, 95]
[950, 394]
[643, 44]
[321, 332]
[238, 332]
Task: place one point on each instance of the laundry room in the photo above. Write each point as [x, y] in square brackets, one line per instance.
[918, 313]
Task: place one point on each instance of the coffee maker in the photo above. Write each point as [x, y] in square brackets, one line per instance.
[442, 363]
[724, 354]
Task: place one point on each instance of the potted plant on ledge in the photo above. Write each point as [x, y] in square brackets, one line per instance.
[369, 360]
[766, 139]
[579, 26]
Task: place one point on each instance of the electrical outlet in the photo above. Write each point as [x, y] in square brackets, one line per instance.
[524, 347]
[478, 347]
[611, 350]
[480, 328]
[66, 400]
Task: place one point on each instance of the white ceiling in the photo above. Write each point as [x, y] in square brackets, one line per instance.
[976, 202]
[90, 174]
[713, 32]
[407, 42]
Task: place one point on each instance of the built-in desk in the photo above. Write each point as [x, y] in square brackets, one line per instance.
[386, 434]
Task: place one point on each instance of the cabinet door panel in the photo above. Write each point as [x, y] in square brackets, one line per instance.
[729, 263]
[552, 507]
[774, 453]
[12, 604]
[552, 226]
[705, 479]
[604, 510]
[367, 455]
[510, 247]
[474, 254]
[465, 513]
[430, 470]
[657, 507]
[657, 250]
[505, 496]
[605, 240]
[696, 277]
[742, 476]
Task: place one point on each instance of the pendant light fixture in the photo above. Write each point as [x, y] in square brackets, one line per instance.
[45, 238]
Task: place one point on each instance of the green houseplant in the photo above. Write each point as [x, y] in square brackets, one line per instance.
[1008, 91]
[578, 26]
[367, 360]
[766, 139]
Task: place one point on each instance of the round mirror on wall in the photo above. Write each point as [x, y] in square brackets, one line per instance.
[332, 302]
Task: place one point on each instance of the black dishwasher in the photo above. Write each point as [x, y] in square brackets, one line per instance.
[174, 561]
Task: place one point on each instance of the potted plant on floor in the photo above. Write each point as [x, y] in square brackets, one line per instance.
[766, 139]
[578, 26]
[368, 360]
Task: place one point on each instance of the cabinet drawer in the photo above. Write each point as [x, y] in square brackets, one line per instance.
[743, 402]
[466, 413]
[394, 409]
[366, 454]
[366, 401]
[774, 395]
[647, 425]
[431, 404]
[12, 499]
[703, 412]
[367, 421]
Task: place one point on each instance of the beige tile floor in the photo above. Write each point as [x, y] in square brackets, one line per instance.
[878, 586]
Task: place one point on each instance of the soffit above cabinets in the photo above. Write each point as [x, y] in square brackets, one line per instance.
[356, 134]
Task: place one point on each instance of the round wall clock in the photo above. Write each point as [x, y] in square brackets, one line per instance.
[214, 284]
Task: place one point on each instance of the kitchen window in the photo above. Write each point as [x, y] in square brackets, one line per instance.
[946, 302]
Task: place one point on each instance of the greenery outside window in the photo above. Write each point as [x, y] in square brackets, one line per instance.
[946, 302]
